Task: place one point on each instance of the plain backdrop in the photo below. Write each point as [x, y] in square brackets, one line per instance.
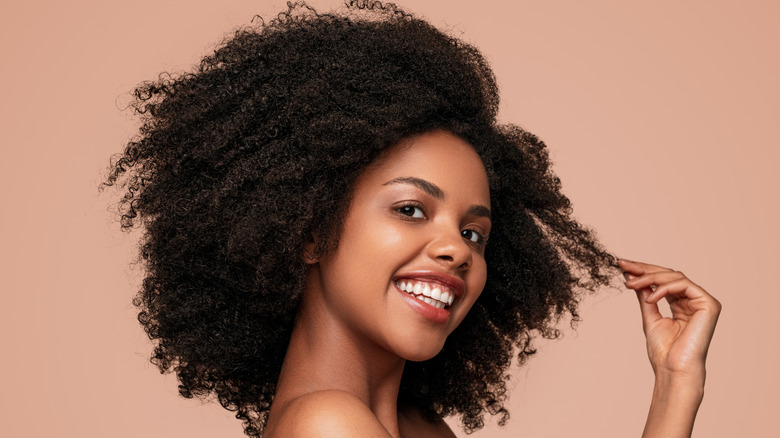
[661, 118]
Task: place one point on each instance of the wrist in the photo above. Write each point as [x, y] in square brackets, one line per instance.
[676, 395]
[679, 385]
[675, 402]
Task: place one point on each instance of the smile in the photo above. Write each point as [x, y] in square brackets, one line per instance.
[435, 294]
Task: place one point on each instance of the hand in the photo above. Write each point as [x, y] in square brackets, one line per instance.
[677, 346]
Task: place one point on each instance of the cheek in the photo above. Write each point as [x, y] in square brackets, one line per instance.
[368, 251]
[368, 247]
[377, 241]
[476, 282]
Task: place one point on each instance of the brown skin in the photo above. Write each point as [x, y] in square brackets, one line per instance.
[677, 345]
[355, 329]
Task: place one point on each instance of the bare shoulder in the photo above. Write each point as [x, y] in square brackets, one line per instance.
[326, 414]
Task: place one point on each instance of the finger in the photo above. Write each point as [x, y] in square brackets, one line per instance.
[682, 288]
[650, 312]
[654, 279]
[630, 267]
[699, 310]
[639, 268]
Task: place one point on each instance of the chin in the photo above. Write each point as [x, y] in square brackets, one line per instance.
[421, 351]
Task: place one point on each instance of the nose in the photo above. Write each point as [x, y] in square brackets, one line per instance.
[450, 249]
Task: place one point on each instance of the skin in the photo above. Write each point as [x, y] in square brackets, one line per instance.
[676, 346]
[355, 329]
[411, 215]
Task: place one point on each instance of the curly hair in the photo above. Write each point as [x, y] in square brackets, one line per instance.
[242, 163]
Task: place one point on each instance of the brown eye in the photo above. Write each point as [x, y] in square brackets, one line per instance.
[473, 236]
[412, 211]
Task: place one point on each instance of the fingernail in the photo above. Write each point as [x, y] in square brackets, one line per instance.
[628, 276]
[650, 297]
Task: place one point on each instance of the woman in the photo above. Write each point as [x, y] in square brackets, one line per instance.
[317, 201]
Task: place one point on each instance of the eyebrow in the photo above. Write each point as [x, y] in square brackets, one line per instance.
[480, 211]
[427, 187]
[436, 192]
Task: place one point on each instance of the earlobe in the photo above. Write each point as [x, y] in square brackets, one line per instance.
[309, 253]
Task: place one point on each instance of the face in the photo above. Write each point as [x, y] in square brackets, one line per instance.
[410, 261]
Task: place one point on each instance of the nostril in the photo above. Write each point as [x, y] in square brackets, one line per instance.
[446, 257]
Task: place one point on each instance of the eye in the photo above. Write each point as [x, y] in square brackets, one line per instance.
[473, 236]
[412, 211]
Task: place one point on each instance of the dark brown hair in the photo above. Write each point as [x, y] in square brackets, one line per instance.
[242, 162]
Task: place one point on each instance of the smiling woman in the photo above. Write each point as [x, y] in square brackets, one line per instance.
[317, 198]
[396, 232]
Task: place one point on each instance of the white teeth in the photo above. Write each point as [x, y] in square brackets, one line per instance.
[428, 293]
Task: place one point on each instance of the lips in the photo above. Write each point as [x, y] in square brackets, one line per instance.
[434, 288]
[435, 294]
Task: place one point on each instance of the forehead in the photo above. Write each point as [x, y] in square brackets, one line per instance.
[438, 157]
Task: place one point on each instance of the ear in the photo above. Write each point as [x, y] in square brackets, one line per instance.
[309, 252]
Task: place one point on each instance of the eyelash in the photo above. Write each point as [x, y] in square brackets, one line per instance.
[410, 205]
[481, 237]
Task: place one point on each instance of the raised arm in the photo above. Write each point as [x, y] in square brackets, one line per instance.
[677, 345]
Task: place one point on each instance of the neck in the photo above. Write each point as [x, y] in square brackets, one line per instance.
[325, 355]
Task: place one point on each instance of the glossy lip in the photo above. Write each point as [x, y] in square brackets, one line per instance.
[433, 314]
[426, 310]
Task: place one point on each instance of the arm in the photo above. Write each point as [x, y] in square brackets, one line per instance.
[677, 346]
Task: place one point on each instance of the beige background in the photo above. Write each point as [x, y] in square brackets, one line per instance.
[661, 117]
